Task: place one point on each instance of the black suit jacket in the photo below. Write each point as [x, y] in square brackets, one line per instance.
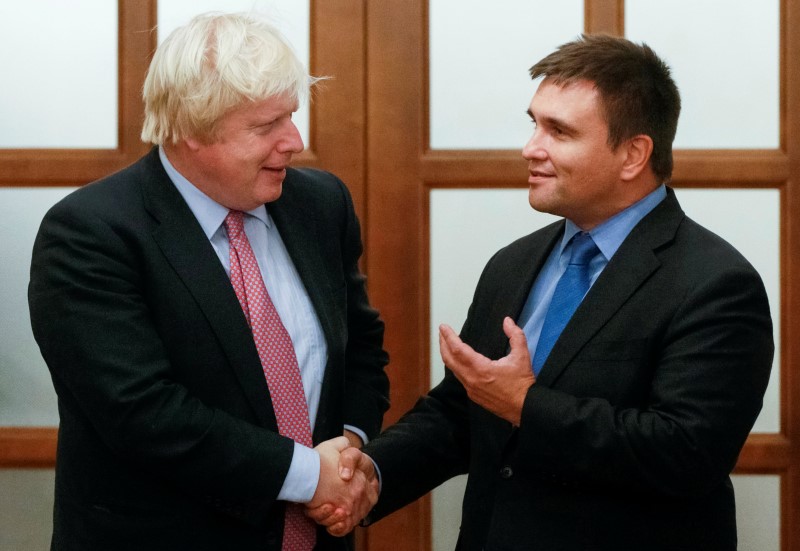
[168, 438]
[636, 420]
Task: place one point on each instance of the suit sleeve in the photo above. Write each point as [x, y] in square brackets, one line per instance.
[428, 445]
[112, 371]
[366, 384]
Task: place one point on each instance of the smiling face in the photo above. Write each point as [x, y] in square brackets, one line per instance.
[573, 172]
[244, 165]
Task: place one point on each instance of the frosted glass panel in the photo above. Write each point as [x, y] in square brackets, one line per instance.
[749, 219]
[291, 17]
[480, 53]
[725, 60]
[758, 511]
[62, 90]
[26, 509]
[26, 391]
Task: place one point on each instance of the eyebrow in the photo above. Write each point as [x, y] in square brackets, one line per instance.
[552, 121]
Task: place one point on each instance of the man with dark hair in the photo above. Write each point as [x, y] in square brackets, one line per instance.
[613, 363]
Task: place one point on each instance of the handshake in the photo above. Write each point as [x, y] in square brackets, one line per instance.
[348, 487]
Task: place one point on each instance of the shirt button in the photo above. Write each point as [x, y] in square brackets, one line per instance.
[506, 472]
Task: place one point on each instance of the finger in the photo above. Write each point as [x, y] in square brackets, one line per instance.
[447, 331]
[516, 336]
[325, 514]
[340, 529]
[366, 466]
[372, 493]
[450, 342]
[340, 443]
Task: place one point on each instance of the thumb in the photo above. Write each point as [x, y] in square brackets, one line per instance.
[350, 460]
[516, 337]
[340, 443]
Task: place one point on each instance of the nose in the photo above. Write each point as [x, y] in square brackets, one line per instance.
[534, 148]
[290, 142]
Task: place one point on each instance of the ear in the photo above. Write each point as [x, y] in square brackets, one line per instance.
[193, 144]
[637, 151]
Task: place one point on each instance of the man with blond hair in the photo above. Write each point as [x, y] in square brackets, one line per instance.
[204, 319]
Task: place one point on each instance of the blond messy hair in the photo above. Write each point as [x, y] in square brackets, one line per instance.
[211, 65]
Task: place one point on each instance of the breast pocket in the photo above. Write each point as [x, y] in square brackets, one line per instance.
[615, 370]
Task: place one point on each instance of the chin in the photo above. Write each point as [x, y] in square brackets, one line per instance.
[272, 194]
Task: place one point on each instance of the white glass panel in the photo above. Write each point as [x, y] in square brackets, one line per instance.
[725, 59]
[480, 53]
[59, 72]
[26, 509]
[749, 219]
[758, 511]
[26, 391]
[291, 17]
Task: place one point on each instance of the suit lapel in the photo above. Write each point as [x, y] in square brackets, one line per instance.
[190, 254]
[299, 229]
[519, 274]
[631, 266]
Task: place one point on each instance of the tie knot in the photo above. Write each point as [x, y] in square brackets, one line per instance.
[583, 249]
[234, 224]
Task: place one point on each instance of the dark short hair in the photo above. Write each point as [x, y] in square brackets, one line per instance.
[637, 93]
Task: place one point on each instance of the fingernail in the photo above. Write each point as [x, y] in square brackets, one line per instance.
[345, 473]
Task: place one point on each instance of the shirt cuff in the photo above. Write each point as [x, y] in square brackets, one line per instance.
[303, 477]
[361, 434]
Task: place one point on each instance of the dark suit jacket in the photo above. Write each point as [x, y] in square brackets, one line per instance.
[168, 438]
[629, 434]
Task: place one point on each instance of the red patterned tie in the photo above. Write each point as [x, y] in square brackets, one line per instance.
[279, 363]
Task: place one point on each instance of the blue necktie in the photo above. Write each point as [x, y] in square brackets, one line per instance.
[569, 293]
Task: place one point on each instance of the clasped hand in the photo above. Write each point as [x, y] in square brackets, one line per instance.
[347, 489]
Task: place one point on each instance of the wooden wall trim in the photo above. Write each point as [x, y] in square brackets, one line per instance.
[25, 447]
[693, 168]
[764, 454]
[396, 81]
[338, 105]
[604, 16]
[74, 167]
[789, 316]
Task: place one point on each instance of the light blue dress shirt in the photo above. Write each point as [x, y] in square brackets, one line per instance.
[608, 237]
[293, 304]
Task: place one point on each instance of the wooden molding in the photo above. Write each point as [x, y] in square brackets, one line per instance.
[28, 447]
[74, 167]
[693, 168]
[604, 16]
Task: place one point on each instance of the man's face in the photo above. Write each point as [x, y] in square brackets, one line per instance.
[244, 166]
[572, 170]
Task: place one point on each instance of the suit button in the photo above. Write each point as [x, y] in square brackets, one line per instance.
[506, 472]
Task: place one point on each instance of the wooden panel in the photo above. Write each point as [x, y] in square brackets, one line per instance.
[395, 54]
[27, 447]
[605, 16]
[54, 167]
[789, 317]
[338, 105]
[764, 454]
[507, 168]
